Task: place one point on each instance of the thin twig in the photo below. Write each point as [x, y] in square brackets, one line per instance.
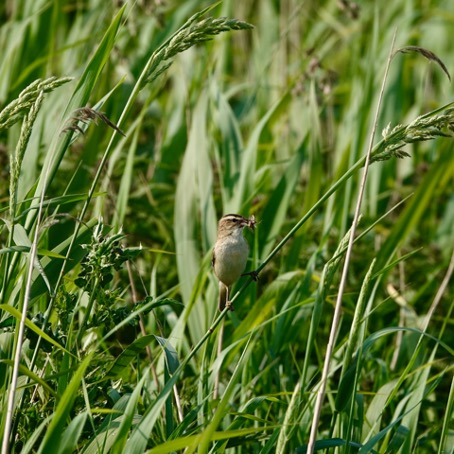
[397, 295]
[342, 284]
[178, 404]
[219, 351]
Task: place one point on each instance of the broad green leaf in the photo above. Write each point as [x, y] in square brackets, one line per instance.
[171, 354]
[244, 190]
[438, 175]
[127, 356]
[275, 212]
[36, 436]
[72, 433]
[41, 252]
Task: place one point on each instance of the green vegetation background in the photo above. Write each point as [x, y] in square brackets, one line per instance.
[115, 180]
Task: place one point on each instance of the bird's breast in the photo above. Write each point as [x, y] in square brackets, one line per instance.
[230, 259]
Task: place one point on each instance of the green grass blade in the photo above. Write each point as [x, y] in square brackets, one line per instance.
[128, 416]
[72, 433]
[32, 326]
[53, 439]
[128, 355]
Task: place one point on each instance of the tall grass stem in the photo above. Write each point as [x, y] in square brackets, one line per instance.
[343, 281]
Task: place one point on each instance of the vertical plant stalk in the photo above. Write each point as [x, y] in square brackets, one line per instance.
[399, 299]
[20, 336]
[217, 378]
[439, 294]
[177, 397]
[447, 421]
[16, 164]
[343, 281]
[357, 332]
[93, 292]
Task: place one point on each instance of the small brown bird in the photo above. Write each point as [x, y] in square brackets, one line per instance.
[230, 254]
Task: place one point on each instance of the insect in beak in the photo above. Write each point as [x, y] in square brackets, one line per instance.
[251, 222]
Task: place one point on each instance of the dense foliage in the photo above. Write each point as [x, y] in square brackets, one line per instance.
[128, 128]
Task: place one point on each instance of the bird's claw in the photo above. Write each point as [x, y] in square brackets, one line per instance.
[253, 274]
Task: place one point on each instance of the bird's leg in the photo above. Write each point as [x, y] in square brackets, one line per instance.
[228, 303]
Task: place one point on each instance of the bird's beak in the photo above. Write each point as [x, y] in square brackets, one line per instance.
[250, 222]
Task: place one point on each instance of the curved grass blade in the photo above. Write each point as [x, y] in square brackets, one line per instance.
[30, 325]
[27, 372]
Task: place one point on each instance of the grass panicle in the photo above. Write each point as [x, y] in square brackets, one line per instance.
[192, 33]
[17, 158]
[27, 98]
[425, 127]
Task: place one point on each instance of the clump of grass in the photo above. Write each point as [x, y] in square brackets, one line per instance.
[222, 132]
